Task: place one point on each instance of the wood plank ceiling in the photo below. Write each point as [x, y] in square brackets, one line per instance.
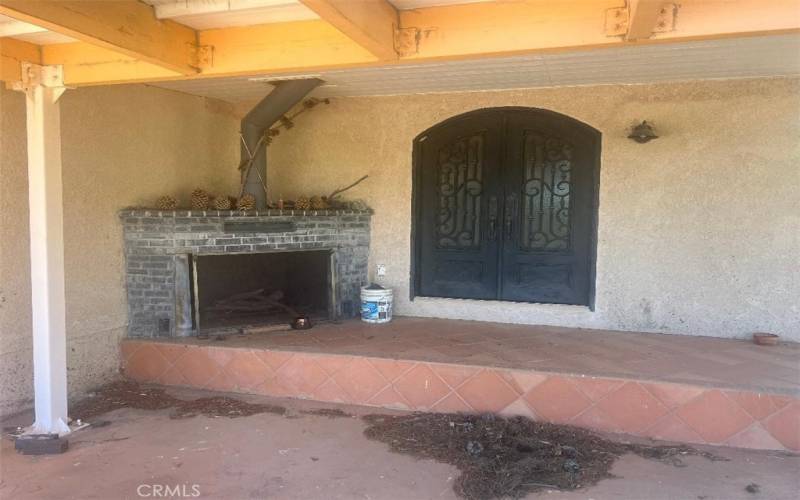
[714, 59]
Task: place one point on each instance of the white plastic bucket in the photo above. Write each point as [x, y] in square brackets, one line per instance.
[376, 305]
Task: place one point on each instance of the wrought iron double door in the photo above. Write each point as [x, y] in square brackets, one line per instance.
[505, 207]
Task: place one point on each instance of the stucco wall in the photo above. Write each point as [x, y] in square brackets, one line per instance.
[121, 146]
[699, 231]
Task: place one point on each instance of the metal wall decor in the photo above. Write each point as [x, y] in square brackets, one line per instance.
[459, 190]
[546, 193]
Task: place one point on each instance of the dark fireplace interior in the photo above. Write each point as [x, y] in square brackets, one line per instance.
[261, 289]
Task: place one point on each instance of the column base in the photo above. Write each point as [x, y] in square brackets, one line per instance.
[41, 444]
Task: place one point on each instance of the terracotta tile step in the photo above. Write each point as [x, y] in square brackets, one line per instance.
[664, 410]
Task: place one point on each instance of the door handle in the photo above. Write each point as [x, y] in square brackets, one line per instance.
[511, 203]
[492, 218]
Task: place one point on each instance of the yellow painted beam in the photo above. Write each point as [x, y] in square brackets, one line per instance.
[642, 18]
[128, 27]
[705, 19]
[293, 47]
[12, 53]
[506, 28]
[86, 64]
[437, 34]
[369, 23]
[539, 26]
[281, 47]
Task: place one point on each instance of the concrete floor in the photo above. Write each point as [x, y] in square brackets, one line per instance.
[314, 457]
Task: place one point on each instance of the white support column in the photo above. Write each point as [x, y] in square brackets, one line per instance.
[43, 85]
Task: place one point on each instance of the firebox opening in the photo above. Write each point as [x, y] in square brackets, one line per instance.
[261, 289]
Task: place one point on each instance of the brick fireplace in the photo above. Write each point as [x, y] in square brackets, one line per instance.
[179, 264]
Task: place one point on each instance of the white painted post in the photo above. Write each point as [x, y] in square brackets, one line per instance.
[43, 85]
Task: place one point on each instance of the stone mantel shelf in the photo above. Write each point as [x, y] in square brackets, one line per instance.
[138, 212]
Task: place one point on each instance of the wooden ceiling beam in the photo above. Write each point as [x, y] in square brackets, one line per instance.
[369, 23]
[12, 53]
[87, 64]
[128, 27]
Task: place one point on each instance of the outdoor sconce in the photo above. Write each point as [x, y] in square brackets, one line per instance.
[643, 133]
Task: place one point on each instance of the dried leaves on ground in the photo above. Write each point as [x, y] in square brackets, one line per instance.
[509, 457]
[221, 406]
[498, 457]
[122, 395]
[132, 395]
[327, 412]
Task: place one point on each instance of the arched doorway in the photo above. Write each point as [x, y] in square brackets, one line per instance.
[505, 207]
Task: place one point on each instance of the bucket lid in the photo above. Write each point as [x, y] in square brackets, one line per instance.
[374, 286]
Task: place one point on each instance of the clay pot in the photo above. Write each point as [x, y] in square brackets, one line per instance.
[761, 338]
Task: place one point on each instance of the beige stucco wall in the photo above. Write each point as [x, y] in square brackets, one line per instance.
[121, 146]
[699, 231]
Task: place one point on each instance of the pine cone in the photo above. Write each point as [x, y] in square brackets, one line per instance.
[302, 203]
[246, 202]
[359, 205]
[318, 203]
[222, 203]
[166, 203]
[200, 199]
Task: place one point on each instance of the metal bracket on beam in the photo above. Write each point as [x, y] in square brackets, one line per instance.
[407, 40]
[203, 56]
[34, 75]
[617, 20]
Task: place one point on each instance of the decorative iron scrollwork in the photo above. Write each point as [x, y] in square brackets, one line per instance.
[459, 190]
[492, 218]
[546, 189]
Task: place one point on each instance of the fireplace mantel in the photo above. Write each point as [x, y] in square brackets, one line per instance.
[239, 214]
[159, 245]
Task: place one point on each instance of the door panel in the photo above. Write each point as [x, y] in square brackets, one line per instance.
[505, 207]
[458, 234]
[549, 185]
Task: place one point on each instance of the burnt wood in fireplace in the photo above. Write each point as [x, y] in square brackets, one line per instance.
[259, 289]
